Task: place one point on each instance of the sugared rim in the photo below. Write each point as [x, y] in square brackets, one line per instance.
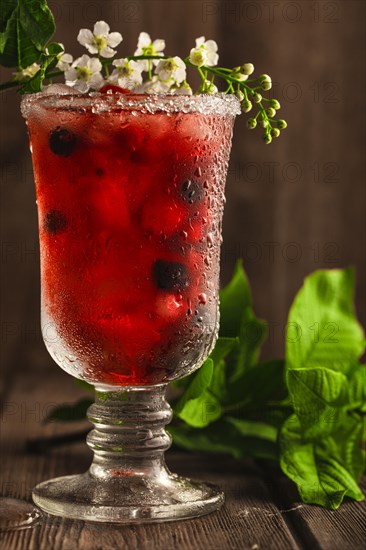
[216, 104]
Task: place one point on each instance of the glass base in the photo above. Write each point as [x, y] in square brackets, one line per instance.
[127, 499]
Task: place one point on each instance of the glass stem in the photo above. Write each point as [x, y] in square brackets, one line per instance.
[129, 437]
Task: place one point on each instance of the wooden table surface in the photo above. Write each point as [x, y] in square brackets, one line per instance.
[262, 510]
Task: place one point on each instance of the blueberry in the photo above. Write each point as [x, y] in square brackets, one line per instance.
[191, 191]
[54, 221]
[62, 141]
[170, 275]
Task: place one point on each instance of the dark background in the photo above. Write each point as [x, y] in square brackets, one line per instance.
[292, 207]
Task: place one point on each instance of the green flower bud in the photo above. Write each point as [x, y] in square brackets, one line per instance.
[247, 106]
[267, 139]
[264, 123]
[271, 112]
[236, 69]
[247, 68]
[238, 76]
[282, 124]
[266, 86]
[251, 123]
[257, 98]
[275, 132]
[265, 78]
[239, 94]
[275, 104]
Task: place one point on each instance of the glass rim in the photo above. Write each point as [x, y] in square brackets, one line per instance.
[95, 102]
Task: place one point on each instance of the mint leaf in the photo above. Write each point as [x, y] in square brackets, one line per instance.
[25, 28]
[198, 406]
[318, 469]
[325, 330]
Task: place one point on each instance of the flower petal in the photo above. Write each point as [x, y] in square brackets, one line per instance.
[144, 40]
[101, 28]
[159, 44]
[212, 59]
[81, 61]
[85, 37]
[113, 77]
[67, 58]
[114, 38]
[91, 48]
[211, 46]
[71, 76]
[137, 66]
[94, 65]
[96, 81]
[107, 52]
[200, 41]
[121, 62]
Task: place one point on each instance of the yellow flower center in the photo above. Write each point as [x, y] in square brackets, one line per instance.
[100, 42]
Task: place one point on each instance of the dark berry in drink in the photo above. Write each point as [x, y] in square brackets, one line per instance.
[191, 191]
[55, 221]
[62, 142]
[170, 276]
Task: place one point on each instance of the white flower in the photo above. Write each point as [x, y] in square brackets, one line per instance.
[127, 74]
[85, 74]
[27, 73]
[100, 41]
[183, 89]
[145, 46]
[208, 87]
[172, 68]
[205, 53]
[154, 86]
[64, 60]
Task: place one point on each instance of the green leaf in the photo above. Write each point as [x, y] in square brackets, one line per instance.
[84, 385]
[238, 320]
[223, 347]
[227, 436]
[318, 469]
[198, 406]
[322, 327]
[317, 395]
[218, 382]
[48, 61]
[234, 298]
[25, 28]
[69, 413]
[254, 429]
[357, 388]
[263, 383]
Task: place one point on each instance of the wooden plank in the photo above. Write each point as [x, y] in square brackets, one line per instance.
[249, 519]
[320, 529]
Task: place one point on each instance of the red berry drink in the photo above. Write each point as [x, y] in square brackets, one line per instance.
[130, 194]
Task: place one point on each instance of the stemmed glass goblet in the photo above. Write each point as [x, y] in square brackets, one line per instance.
[130, 195]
